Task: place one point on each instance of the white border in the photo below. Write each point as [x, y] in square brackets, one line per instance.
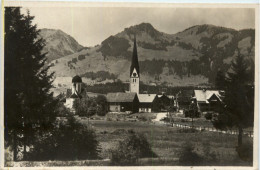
[140, 3]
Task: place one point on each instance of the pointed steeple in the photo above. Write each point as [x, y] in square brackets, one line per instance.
[135, 64]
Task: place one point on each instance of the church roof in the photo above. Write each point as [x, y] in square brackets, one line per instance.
[75, 96]
[120, 97]
[76, 79]
[135, 63]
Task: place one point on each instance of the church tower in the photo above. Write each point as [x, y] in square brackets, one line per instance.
[134, 71]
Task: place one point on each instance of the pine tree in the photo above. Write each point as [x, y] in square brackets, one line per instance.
[220, 80]
[29, 104]
[238, 110]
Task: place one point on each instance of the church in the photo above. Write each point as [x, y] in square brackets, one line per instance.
[131, 101]
[75, 93]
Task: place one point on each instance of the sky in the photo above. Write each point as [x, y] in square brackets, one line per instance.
[91, 25]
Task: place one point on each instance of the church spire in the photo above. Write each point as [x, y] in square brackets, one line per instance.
[135, 64]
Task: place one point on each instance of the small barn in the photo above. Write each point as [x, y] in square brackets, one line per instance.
[123, 102]
[146, 102]
[208, 100]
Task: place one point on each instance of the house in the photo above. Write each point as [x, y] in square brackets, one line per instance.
[208, 100]
[146, 102]
[123, 102]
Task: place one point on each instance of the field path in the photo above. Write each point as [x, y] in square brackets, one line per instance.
[159, 116]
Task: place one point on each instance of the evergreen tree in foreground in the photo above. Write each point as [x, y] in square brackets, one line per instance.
[238, 110]
[28, 102]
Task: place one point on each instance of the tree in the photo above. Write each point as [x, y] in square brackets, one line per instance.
[71, 140]
[238, 101]
[101, 105]
[81, 106]
[29, 104]
[220, 80]
[193, 109]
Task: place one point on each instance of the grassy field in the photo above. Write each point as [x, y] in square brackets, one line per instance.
[166, 141]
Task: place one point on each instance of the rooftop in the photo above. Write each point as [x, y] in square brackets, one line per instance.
[120, 97]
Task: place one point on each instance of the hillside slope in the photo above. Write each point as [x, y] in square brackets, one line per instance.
[190, 57]
[58, 43]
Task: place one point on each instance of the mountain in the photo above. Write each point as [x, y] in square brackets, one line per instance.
[187, 58]
[58, 43]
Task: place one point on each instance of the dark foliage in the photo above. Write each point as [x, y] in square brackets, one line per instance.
[220, 80]
[114, 46]
[238, 101]
[192, 111]
[158, 46]
[101, 75]
[188, 157]
[29, 105]
[143, 27]
[74, 60]
[69, 141]
[87, 107]
[108, 87]
[208, 115]
[101, 105]
[185, 46]
[81, 57]
[128, 151]
[245, 151]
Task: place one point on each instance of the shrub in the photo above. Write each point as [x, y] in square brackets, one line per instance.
[101, 105]
[69, 141]
[245, 151]
[74, 60]
[63, 111]
[191, 113]
[210, 158]
[208, 116]
[188, 157]
[128, 151]
[81, 57]
[189, 130]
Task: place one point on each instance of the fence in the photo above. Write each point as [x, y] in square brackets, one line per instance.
[212, 129]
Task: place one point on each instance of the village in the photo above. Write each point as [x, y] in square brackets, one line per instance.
[205, 100]
[67, 111]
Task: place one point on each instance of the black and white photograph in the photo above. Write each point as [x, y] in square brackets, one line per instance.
[129, 84]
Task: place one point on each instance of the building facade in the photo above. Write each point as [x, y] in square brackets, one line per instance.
[123, 102]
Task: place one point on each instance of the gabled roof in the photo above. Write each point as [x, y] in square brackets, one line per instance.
[146, 98]
[135, 64]
[205, 95]
[120, 97]
[76, 94]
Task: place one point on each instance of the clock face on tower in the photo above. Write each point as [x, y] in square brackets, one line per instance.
[134, 74]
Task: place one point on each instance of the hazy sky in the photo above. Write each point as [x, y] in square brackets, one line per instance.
[91, 25]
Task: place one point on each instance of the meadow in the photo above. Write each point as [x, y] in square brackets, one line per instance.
[167, 141]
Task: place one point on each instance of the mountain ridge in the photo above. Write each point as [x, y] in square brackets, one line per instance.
[58, 43]
[189, 57]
